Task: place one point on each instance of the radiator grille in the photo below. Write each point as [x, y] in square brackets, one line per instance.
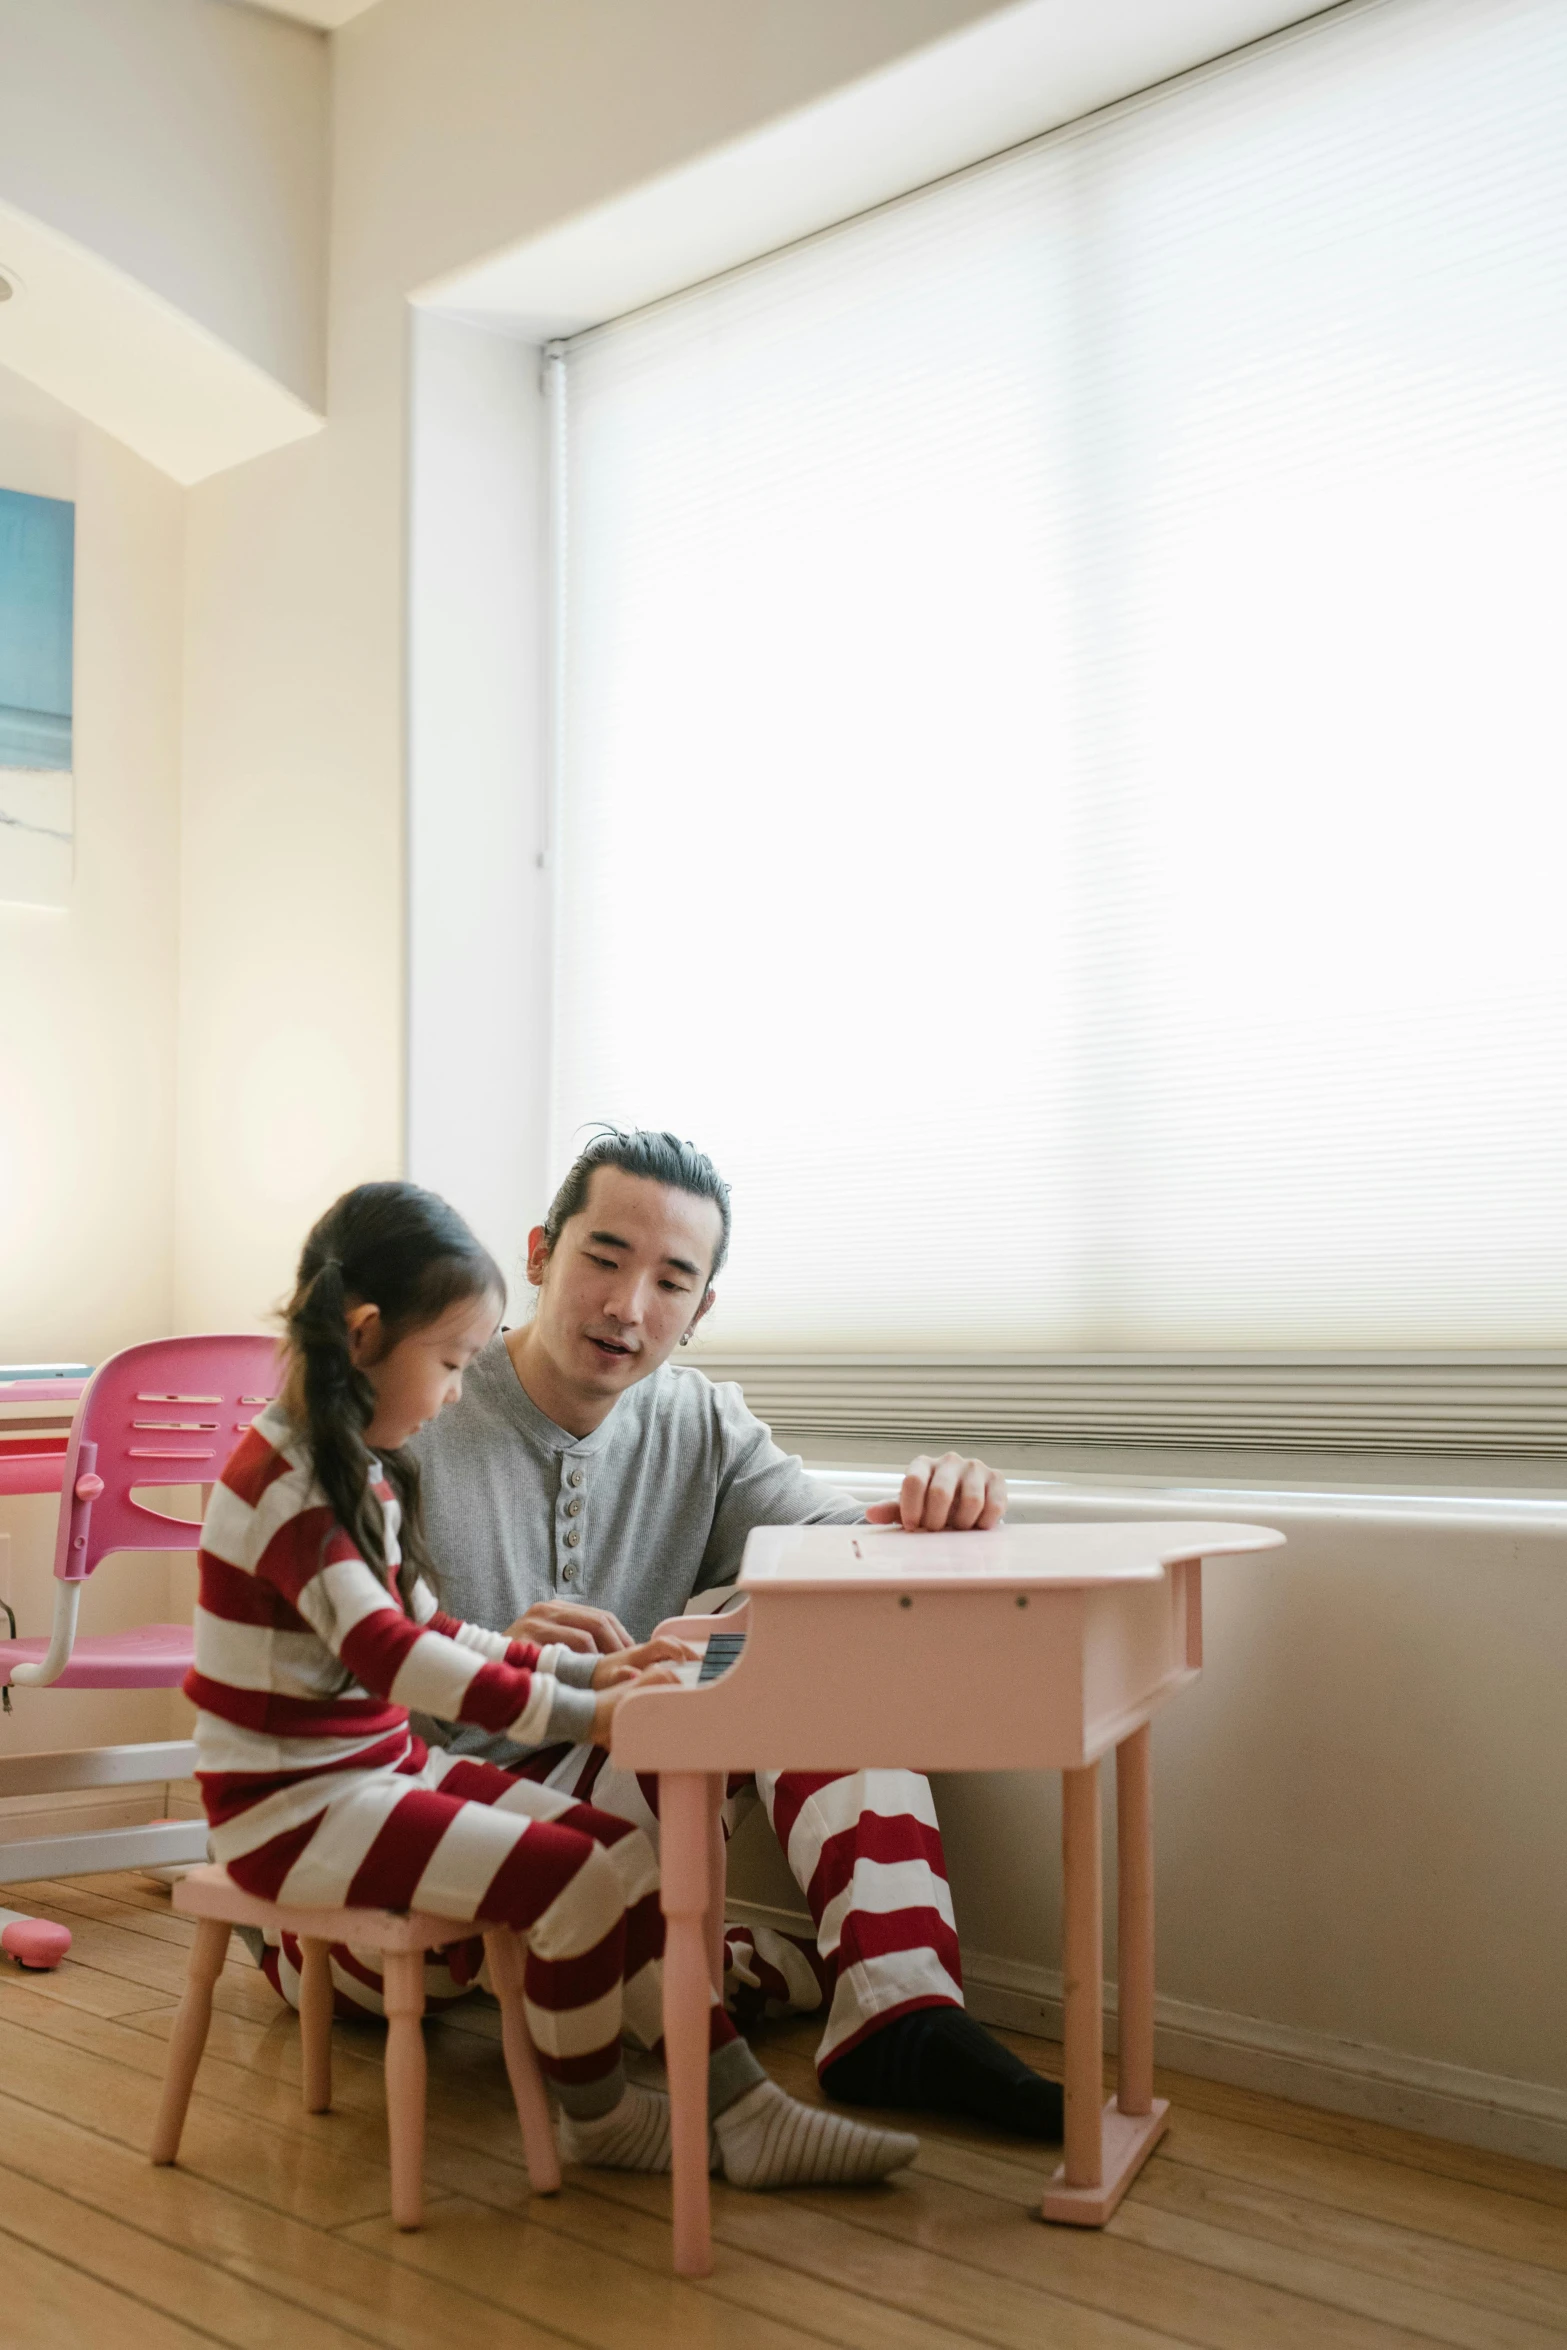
[1512, 1405]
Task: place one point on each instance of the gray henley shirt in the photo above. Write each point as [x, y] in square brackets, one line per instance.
[653, 1506]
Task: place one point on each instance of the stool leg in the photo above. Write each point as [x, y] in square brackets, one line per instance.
[684, 1895]
[402, 1976]
[504, 1951]
[1134, 1969]
[189, 2036]
[717, 1878]
[1082, 1994]
[315, 2023]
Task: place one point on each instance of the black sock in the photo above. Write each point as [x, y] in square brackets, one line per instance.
[939, 2058]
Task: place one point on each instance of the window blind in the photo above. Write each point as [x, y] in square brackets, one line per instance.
[1061, 747]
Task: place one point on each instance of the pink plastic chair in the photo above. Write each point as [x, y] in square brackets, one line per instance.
[166, 1413]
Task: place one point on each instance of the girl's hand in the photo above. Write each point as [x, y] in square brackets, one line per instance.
[604, 1706]
[632, 1661]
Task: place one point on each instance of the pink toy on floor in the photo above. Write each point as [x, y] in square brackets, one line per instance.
[33, 1942]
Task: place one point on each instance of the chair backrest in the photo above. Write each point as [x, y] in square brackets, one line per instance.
[166, 1413]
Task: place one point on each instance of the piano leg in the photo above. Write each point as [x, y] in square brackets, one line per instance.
[717, 1879]
[1134, 1932]
[1106, 2144]
[1082, 1996]
[683, 1809]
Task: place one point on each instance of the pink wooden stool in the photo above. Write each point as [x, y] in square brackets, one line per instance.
[211, 1896]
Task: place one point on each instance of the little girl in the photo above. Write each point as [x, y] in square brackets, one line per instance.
[317, 1630]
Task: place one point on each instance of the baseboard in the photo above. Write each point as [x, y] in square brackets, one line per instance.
[78, 1811]
[1505, 2116]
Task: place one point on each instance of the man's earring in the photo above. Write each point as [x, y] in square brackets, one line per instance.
[685, 1338]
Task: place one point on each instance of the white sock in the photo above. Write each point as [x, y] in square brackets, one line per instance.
[633, 2135]
[766, 2139]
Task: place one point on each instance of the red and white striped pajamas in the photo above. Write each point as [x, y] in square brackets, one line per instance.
[317, 1792]
[863, 1844]
[865, 1848]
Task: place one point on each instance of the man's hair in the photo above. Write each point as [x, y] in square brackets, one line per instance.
[662, 1158]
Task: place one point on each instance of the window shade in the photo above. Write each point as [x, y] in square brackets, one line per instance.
[1061, 737]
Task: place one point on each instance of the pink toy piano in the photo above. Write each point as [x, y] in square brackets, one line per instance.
[1030, 1648]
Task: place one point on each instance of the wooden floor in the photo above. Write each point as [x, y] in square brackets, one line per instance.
[1257, 2226]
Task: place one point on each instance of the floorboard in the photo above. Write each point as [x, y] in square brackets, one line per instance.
[1257, 2225]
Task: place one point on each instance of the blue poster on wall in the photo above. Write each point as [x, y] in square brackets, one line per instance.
[37, 780]
[37, 581]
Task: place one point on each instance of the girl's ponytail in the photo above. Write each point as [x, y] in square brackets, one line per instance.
[338, 1401]
[405, 1251]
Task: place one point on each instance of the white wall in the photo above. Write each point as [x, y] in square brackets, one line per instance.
[163, 176]
[87, 1074]
[479, 895]
[185, 142]
[291, 877]
[87, 1078]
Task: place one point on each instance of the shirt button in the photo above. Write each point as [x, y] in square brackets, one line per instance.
[576, 1476]
[568, 1573]
[574, 1537]
[574, 1506]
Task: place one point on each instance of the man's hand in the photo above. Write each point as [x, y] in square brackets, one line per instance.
[605, 1703]
[952, 1495]
[573, 1625]
[627, 1663]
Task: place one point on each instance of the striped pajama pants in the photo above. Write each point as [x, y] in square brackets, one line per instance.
[461, 1839]
[863, 1846]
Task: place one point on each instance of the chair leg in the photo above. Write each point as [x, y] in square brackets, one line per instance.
[189, 2036]
[504, 1951]
[315, 2023]
[402, 1976]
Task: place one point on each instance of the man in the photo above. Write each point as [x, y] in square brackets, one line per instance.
[586, 1486]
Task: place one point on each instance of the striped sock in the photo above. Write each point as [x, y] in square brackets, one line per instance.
[765, 2139]
[633, 2135]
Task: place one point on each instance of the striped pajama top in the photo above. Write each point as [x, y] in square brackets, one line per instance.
[306, 1663]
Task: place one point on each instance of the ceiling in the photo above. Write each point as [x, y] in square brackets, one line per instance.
[328, 14]
[1011, 75]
